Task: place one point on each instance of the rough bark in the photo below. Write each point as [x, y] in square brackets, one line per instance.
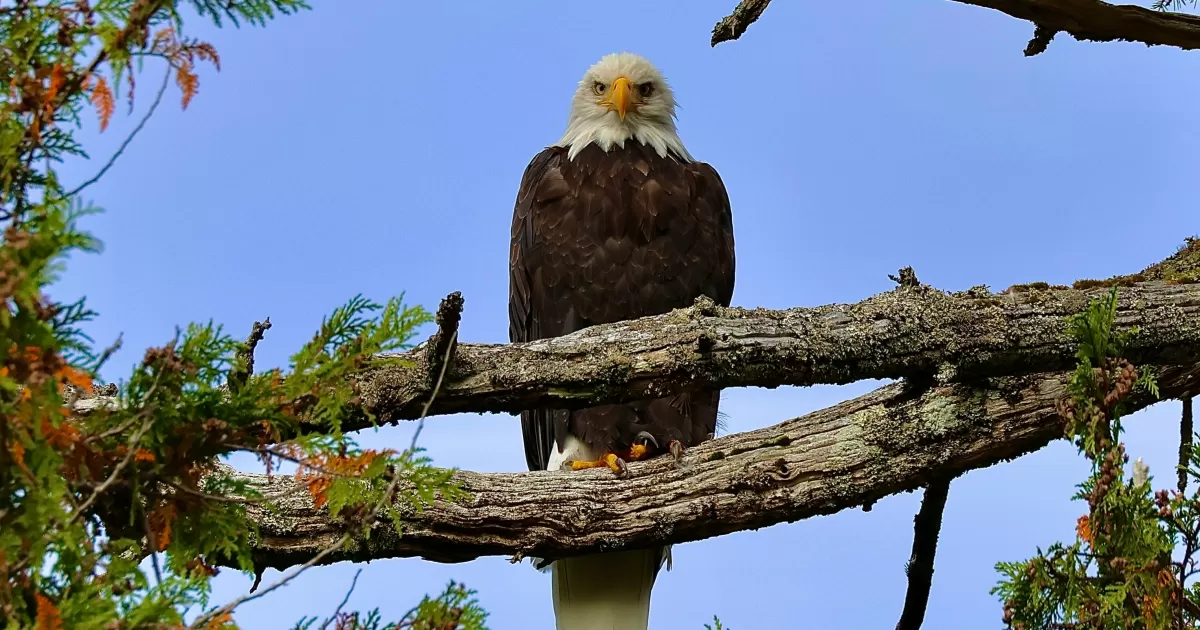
[912, 332]
[888, 441]
[1085, 20]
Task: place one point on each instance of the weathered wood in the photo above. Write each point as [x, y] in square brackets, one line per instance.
[901, 333]
[1085, 20]
[852, 454]
[908, 332]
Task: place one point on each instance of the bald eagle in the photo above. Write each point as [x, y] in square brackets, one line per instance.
[613, 222]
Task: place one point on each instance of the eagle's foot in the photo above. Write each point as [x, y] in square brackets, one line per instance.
[641, 446]
[609, 460]
[676, 449]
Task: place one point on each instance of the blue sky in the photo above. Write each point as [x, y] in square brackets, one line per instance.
[376, 147]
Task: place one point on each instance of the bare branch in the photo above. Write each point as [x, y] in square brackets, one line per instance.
[1042, 36]
[733, 25]
[926, 527]
[440, 355]
[1085, 20]
[243, 366]
[162, 88]
[888, 441]
[345, 599]
[1185, 443]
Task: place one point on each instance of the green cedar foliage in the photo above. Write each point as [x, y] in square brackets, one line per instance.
[1133, 555]
[116, 519]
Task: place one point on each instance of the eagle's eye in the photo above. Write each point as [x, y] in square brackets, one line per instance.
[646, 89]
[598, 88]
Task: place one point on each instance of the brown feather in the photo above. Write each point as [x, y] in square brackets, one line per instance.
[609, 237]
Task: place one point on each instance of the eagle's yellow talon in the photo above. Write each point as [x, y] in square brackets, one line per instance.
[638, 451]
[610, 460]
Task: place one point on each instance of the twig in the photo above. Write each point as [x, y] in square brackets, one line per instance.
[907, 278]
[117, 430]
[1042, 36]
[1185, 443]
[345, 599]
[926, 526]
[440, 355]
[213, 497]
[733, 25]
[244, 363]
[412, 446]
[128, 139]
[203, 620]
[108, 353]
[442, 343]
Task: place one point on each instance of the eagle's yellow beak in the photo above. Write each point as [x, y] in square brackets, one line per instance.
[620, 96]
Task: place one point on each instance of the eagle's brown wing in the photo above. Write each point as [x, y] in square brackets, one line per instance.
[608, 237]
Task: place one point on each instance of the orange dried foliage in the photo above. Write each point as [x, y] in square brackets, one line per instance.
[143, 455]
[104, 101]
[1165, 578]
[58, 78]
[74, 376]
[160, 519]
[47, 615]
[188, 82]
[327, 467]
[18, 453]
[1083, 527]
[318, 487]
[61, 436]
[182, 56]
[1149, 605]
[220, 621]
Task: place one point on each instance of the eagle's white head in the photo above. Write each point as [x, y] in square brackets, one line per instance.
[623, 96]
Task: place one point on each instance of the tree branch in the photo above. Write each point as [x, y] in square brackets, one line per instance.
[1085, 20]
[907, 332]
[903, 333]
[888, 441]
[1185, 443]
[733, 25]
[926, 527]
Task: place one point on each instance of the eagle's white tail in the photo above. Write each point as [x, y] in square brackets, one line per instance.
[608, 591]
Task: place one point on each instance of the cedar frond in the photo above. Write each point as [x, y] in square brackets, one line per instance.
[102, 100]
[163, 40]
[207, 52]
[188, 82]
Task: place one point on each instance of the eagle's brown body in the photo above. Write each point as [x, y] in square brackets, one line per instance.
[612, 236]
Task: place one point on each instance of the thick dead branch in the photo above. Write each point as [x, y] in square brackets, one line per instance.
[1085, 20]
[907, 332]
[855, 453]
[903, 333]
[733, 25]
[1096, 21]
